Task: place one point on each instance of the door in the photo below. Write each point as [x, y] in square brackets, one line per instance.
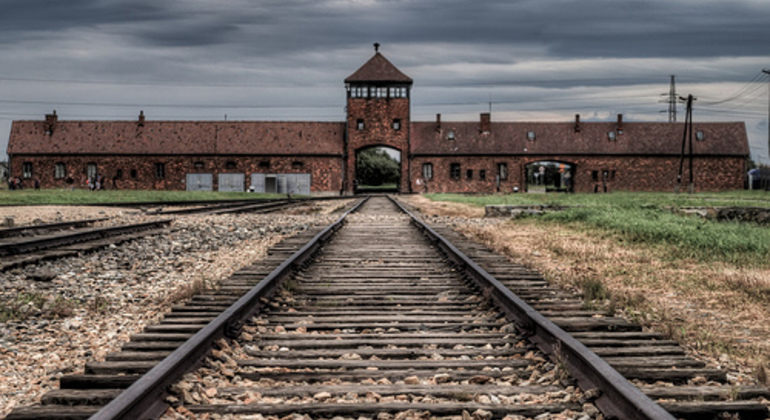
[231, 182]
[258, 183]
[200, 182]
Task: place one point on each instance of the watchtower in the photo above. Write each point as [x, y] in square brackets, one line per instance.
[378, 114]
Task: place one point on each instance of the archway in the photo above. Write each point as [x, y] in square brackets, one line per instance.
[378, 169]
[549, 176]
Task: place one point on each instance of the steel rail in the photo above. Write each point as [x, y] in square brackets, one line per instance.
[143, 399]
[618, 398]
[43, 243]
[19, 230]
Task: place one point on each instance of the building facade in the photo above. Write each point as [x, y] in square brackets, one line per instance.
[320, 157]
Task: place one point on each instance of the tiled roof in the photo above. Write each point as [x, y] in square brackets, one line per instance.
[378, 69]
[177, 137]
[638, 138]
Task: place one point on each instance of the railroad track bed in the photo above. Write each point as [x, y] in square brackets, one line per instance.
[85, 306]
[685, 386]
[366, 332]
[384, 325]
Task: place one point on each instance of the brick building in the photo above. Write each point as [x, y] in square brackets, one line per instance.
[319, 157]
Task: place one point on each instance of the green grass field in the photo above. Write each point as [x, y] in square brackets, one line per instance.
[646, 218]
[85, 197]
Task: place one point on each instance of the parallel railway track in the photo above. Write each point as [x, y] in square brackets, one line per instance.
[387, 321]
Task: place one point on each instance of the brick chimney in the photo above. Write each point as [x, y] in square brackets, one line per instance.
[141, 119]
[485, 126]
[438, 123]
[50, 122]
[577, 123]
[620, 123]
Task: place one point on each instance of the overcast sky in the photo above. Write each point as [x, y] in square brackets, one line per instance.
[535, 60]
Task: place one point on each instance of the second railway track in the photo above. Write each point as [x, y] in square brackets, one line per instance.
[386, 323]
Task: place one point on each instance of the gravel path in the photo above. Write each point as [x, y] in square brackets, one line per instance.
[56, 316]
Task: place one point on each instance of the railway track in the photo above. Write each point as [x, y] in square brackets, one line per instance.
[386, 322]
[20, 251]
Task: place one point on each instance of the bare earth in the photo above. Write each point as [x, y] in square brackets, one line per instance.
[712, 309]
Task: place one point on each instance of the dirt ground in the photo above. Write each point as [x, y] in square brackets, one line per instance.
[718, 311]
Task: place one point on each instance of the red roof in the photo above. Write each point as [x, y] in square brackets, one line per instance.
[378, 69]
[638, 138]
[177, 137]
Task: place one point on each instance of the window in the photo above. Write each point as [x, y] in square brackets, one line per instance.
[59, 170]
[605, 175]
[265, 164]
[397, 92]
[160, 170]
[502, 171]
[595, 175]
[450, 135]
[358, 92]
[531, 135]
[198, 165]
[360, 124]
[454, 171]
[26, 170]
[699, 135]
[119, 174]
[482, 174]
[380, 92]
[611, 135]
[427, 171]
[230, 164]
[297, 165]
[133, 173]
[91, 169]
[396, 124]
[469, 174]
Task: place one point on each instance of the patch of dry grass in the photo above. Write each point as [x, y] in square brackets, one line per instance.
[715, 309]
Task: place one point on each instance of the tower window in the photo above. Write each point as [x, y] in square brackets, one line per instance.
[396, 124]
[360, 124]
[454, 171]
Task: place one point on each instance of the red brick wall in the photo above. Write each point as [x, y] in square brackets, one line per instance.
[378, 115]
[631, 173]
[325, 172]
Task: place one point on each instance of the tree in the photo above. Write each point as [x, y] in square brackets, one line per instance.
[376, 167]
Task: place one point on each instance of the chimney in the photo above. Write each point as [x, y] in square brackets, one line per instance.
[438, 123]
[485, 122]
[50, 122]
[620, 123]
[577, 123]
[141, 119]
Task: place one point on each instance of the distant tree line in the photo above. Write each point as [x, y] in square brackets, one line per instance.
[376, 167]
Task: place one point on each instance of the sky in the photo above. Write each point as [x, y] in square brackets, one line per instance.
[285, 60]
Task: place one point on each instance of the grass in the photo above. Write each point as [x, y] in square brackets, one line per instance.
[646, 218]
[85, 197]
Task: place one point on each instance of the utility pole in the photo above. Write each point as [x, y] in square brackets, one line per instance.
[762, 172]
[687, 130]
[672, 100]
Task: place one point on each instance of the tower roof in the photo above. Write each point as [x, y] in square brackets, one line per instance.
[378, 69]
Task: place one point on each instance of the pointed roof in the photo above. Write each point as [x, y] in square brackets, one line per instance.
[378, 69]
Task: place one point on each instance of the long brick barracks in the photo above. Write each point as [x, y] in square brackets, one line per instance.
[319, 158]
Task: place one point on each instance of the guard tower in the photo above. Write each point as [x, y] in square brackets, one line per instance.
[378, 114]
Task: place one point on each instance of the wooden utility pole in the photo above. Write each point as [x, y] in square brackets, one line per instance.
[687, 130]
